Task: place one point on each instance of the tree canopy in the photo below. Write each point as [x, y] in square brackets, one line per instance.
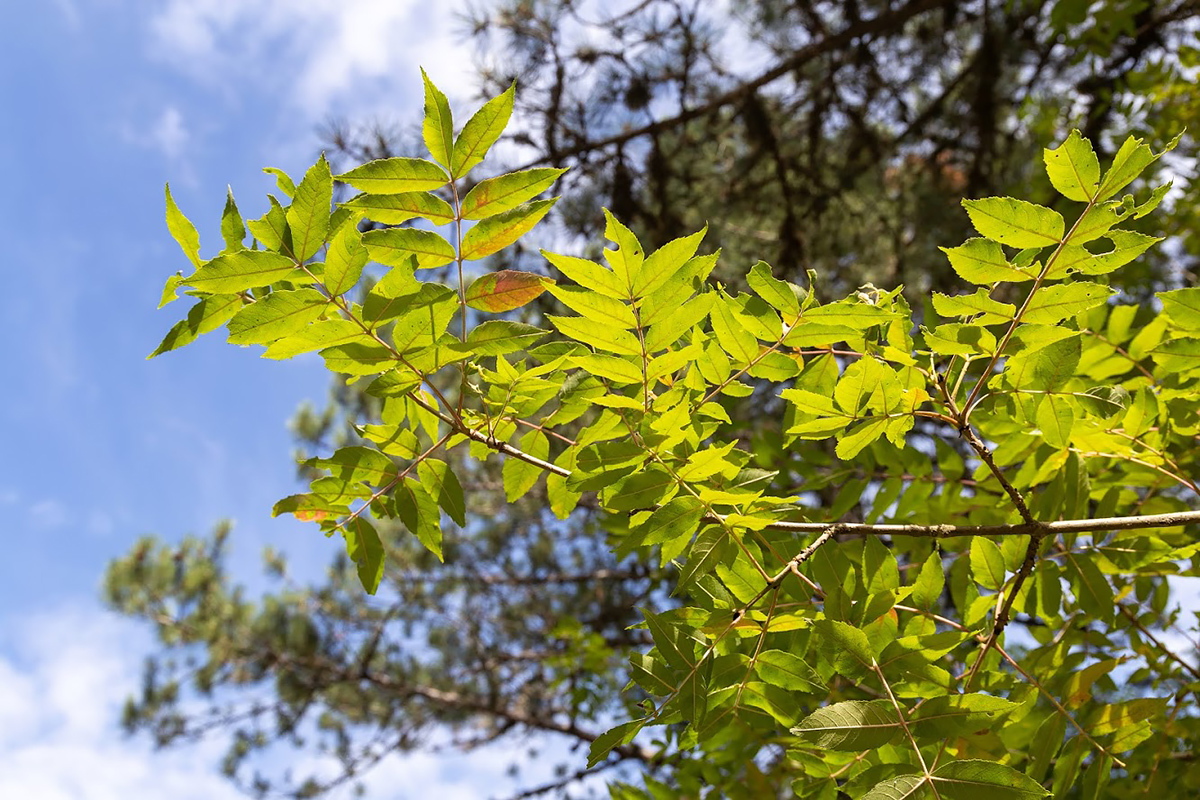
[831, 546]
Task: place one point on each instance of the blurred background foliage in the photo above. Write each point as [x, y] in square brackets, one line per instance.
[833, 136]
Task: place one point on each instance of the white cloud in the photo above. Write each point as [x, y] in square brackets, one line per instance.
[313, 54]
[64, 676]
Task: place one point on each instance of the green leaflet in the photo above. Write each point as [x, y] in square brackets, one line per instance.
[626, 260]
[987, 564]
[1178, 355]
[498, 337]
[505, 192]
[426, 315]
[982, 261]
[1015, 222]
[393, 209]
[308, 215]
[366, 551]
[205, 316]
[852, 725]
[276, 315]
[661, 265]
[417, 509]
[389, 297]
[608, 339]
[505, 290]
[619, 370]
[271, 228]
[442, 481]
[357, 464]
[1127, 245]
[1073, 168]
[169, 295]
[732, 336]
[499, 231]
[984, 780]
[677, 519]
[245, 269]
[520, 476]
[345, 260]
[395, 176]
[600, 308]
[317, 336]
[1129, 162]
[481, 132]
[788, 671]
[868, 385]
[1052, 304]
[1182, 308]
[438, 126]
[282, 180]
[776, 292]
[588, 274]
[989, 311]
[182, 230]
[394, 246]
[233, 229]
[679, 322]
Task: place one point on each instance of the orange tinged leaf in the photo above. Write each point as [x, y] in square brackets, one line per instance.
[505, 290]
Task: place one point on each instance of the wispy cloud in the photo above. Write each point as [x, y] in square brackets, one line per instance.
[316, 54]
[64, 676]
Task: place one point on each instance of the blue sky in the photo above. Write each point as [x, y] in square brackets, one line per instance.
[104, 102]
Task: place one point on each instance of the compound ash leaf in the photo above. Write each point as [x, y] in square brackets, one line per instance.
[505, 192]
[481, 132]
[505, 290]
[1015, 223]
[277, 315]
[395, 176]
[495, 233]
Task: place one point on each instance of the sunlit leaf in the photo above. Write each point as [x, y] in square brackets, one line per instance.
[505, 290]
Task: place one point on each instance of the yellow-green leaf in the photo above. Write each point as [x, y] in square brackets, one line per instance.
[495, 233]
